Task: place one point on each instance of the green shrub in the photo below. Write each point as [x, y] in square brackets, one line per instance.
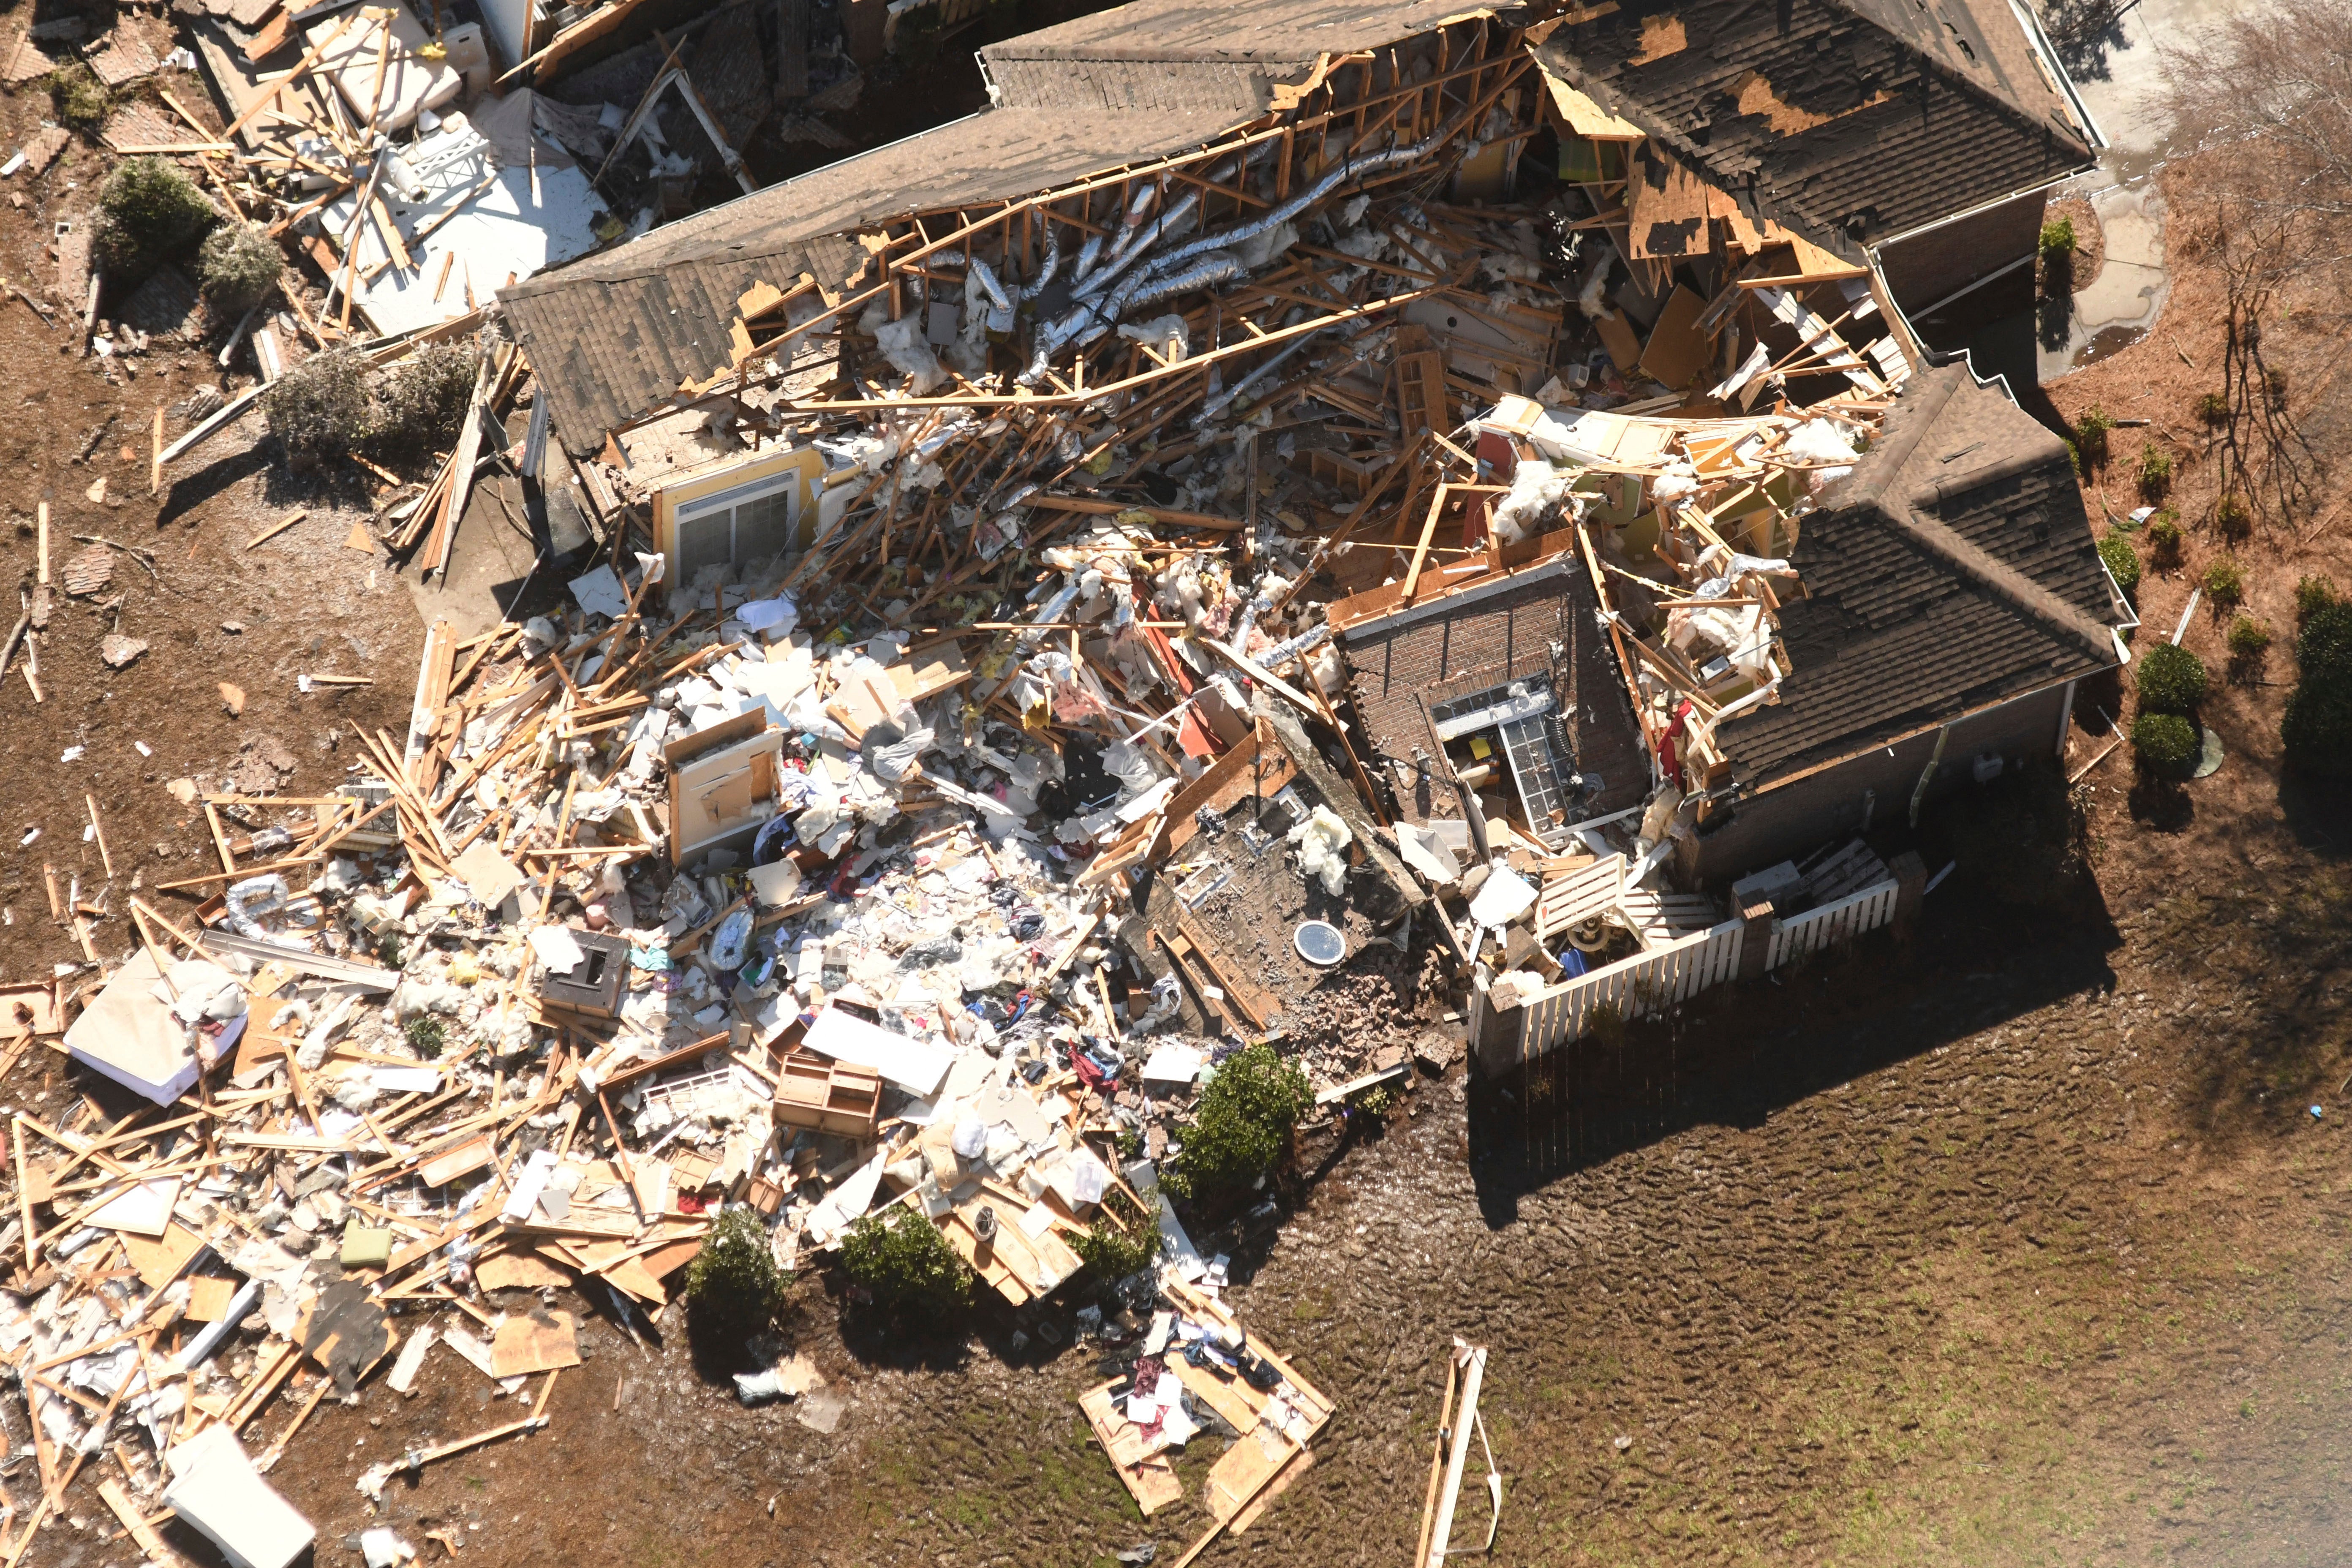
[1112, 1254]
[900, 1259]
[1239, 1126]
[423, 399]
[77, 98]
[2164, 742]
[2313, 592]
[2155, 471]
[2172, 679]
[2232, 520]
[148, 214]
[2090, 435]
[2123, 562]
[237, 267]
[733, 1286]
[2164, 538]
[2058, 238]
[2249, 639]
[318, 410]
[426, 1035]
[2073, 455]
[2225, 581]
[2317, 729]
[2212, 408]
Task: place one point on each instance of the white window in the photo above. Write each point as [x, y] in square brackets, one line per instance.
[750, 522]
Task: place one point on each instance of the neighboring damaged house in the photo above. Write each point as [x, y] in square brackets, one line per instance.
[1923, 135]
[1953, 599]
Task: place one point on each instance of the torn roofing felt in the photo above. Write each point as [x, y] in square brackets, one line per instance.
[1952, 569]
[1852, 121]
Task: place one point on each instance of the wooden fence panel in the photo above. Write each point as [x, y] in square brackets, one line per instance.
[1842, 921]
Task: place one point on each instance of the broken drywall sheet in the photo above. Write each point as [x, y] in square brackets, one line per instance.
[497, 203]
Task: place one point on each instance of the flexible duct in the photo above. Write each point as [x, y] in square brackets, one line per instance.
[1350, 168]
[1036, 285]
[1216, 405]
[1091, 321]
[1160, 278]
[979, 272]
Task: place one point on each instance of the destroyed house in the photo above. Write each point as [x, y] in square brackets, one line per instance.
[1920, 137]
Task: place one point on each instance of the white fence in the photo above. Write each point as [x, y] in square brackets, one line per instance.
[1802, 935]
[1670, 973]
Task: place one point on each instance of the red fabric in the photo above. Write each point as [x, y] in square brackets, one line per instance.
[1191, 733]
[1669, 753]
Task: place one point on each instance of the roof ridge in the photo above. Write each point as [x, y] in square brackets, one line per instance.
[1995, 93]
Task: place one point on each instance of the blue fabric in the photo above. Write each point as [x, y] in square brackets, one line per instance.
[1572, 959]
[776, 836]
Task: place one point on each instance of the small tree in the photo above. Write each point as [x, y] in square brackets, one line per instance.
[733, 1286]
[238, 266]
[2172, 679]
[2232, 520]
[900, 1259]
[1239, 1127]
[2225, 581]
[2317, 729]
[2091, 436]
[2312, 593]
[148, 214]
[2249, 637]
[2058, 238]
[2123, 563]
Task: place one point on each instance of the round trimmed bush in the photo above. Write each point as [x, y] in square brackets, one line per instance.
[79, 98]
[2123, 563]
[733, 1286]
[901, 1260]
[2164, 538]
[2317, 729]
[2165, 741]
[423, 399]
[318, 410]
[148, 214]
[2172, 679]
[237, 267]
[2249, 637]
[2155, 471]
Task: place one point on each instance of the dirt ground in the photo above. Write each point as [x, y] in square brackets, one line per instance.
[2016, 1244]
[304, 603]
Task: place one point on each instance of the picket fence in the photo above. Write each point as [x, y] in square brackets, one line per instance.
[1670, 973]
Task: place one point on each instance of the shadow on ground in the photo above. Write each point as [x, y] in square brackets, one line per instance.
[1734, 1054]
